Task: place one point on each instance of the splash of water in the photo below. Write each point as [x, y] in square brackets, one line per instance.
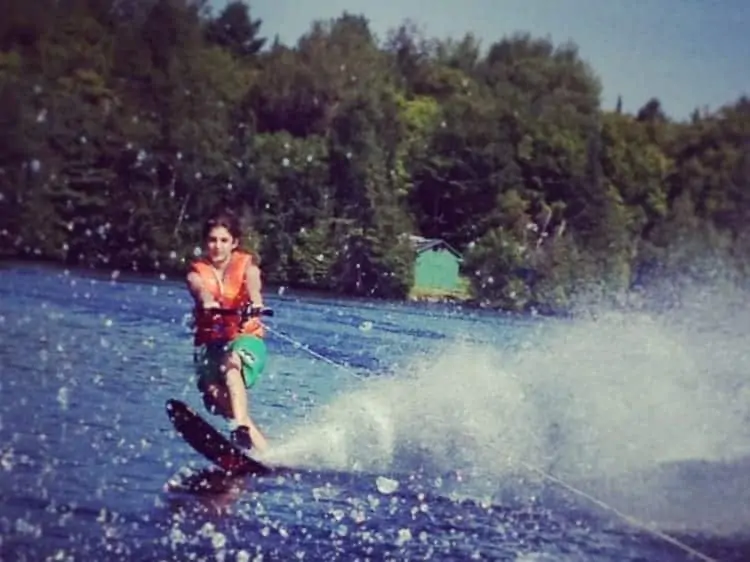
[608, 400]
[451, 410]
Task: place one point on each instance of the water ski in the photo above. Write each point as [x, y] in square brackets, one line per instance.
[211, 443]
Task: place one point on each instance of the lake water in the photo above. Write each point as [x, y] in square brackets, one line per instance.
[416, 432]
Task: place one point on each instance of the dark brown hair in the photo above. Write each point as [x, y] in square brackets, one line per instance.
[224, 218]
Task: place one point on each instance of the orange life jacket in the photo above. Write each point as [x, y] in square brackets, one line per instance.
[231, 293]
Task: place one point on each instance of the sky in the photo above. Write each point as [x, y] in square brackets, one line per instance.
[688, 53]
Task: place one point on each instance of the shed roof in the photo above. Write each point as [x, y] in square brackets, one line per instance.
[422, 244]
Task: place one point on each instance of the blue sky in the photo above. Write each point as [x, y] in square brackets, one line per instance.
[688, 53]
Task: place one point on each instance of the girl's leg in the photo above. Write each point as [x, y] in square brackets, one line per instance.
[208, 361]
[239, 401]
[216, 399]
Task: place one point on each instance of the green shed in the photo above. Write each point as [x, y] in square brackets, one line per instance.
[437, 266]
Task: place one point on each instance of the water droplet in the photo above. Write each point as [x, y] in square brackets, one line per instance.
[218, 541]
[6, 460]
[63, 397]
[404, 535]
[386, 485]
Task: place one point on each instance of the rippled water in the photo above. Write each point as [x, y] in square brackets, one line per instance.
[447, 435]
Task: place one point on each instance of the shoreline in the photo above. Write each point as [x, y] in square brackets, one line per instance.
[174, 275]
[429, 300]
[423, 300]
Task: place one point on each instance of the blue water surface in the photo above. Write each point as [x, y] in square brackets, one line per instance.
[411, 426]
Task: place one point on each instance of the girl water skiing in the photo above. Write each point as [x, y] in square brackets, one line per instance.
[230, 350]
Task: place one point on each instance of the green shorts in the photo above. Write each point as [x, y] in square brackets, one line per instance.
[208, 359]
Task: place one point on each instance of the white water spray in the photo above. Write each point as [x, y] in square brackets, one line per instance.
[452, 410]
[605, 402]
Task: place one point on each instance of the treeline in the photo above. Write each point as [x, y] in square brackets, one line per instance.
[124, 122]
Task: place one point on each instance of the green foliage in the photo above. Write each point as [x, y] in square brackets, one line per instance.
[235, 31]
[122, 124]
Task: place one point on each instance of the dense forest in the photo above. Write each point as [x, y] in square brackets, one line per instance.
[124, 122]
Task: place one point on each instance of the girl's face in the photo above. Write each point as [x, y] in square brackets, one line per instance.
[220, 244]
